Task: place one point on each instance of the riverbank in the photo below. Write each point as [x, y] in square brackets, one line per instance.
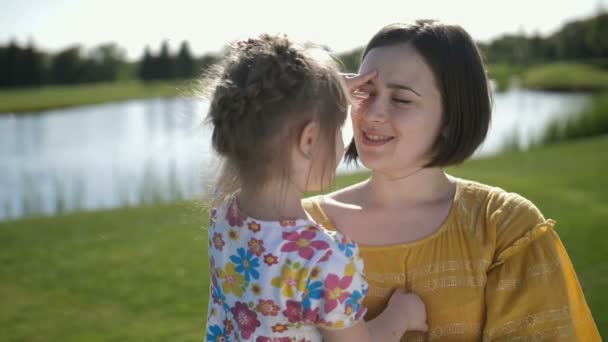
[140, 273]
[559, 76]
[27, 100]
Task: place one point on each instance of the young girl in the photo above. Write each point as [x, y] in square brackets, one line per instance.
[277, 113]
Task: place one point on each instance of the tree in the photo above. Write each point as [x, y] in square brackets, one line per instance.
[184, 63]
[66, 66]
[106, 60]
[33, 69]
[145, 71]
[165, 62]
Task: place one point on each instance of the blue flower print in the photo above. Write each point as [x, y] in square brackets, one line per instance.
[353, 303]
[217, 334]
[347, 247]
[246, 264]
[312, 291]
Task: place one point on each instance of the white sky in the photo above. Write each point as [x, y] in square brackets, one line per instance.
[208, 25]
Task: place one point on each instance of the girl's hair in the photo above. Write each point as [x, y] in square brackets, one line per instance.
[460, 78]
[267, 90]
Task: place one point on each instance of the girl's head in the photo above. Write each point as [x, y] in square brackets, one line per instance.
[430, 104]
[277, 112]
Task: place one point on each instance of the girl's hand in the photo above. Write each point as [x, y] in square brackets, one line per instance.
[409, 309]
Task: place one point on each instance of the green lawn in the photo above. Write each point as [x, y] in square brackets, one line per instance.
[556, 76]
[140, 274]
[54, 97]
[566, 76]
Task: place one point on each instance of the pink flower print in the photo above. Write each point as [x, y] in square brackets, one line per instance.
[335, 291]
[293, 311]
[256, 246]
[246, 319]
[267, 307]
[312, 316]
[234, 216]
[303, 243]
[218, 241]
[273, 339]
[326, 256]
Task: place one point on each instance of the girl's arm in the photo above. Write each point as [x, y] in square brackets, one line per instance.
[405, 311]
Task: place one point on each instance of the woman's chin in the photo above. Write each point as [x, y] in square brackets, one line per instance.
[372, 162]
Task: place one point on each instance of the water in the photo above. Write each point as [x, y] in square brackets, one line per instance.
[144, 151]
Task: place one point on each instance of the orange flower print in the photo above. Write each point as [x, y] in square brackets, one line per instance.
[270, 259]
[287, 223]
[256, 289]
[218, 241]
[233, 235]
[279, 328]
[256, 246]
[254, 226]
[229, 326]
[267, 307]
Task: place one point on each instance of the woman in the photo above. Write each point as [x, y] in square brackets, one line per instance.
[486, 262]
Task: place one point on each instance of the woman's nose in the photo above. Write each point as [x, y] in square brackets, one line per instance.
[375, 111]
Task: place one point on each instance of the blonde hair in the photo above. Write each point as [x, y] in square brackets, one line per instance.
[268, 89]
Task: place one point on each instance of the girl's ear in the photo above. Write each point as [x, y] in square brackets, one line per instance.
[308, 139]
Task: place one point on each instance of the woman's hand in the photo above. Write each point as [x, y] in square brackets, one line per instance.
[354, 82]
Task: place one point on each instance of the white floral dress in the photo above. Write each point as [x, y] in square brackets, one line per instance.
[279, 281]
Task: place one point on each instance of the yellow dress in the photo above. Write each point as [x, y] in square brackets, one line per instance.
[494, 270]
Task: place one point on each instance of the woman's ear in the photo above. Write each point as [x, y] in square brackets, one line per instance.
[308, 139]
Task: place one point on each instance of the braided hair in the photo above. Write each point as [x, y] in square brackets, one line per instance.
[268, 89]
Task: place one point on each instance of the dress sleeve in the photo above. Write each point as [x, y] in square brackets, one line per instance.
[335, 290]
[532, 291]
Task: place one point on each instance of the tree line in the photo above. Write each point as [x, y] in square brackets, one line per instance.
[22, 66]
[585, 40]
[28, 66]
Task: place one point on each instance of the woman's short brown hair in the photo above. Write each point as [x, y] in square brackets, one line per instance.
[460, 77]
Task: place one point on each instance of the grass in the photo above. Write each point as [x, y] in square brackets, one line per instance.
[566, 76]
[503, 74]
[558, 76]
[140, 273]
[54, 97]
[592, 121]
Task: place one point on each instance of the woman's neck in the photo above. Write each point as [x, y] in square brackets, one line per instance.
[273, 202]
[425, 185]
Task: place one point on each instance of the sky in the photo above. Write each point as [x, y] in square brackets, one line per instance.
[209, 25]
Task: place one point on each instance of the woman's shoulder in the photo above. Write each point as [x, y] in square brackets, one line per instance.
[334, 205]
[499, 204]
[508, 216]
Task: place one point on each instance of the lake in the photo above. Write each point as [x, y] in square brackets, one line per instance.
[146, 151]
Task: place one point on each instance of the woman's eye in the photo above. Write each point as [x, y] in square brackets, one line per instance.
[401, 100]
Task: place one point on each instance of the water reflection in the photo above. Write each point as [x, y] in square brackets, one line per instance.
[157, 150]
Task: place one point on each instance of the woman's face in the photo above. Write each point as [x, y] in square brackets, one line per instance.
[396, 127]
